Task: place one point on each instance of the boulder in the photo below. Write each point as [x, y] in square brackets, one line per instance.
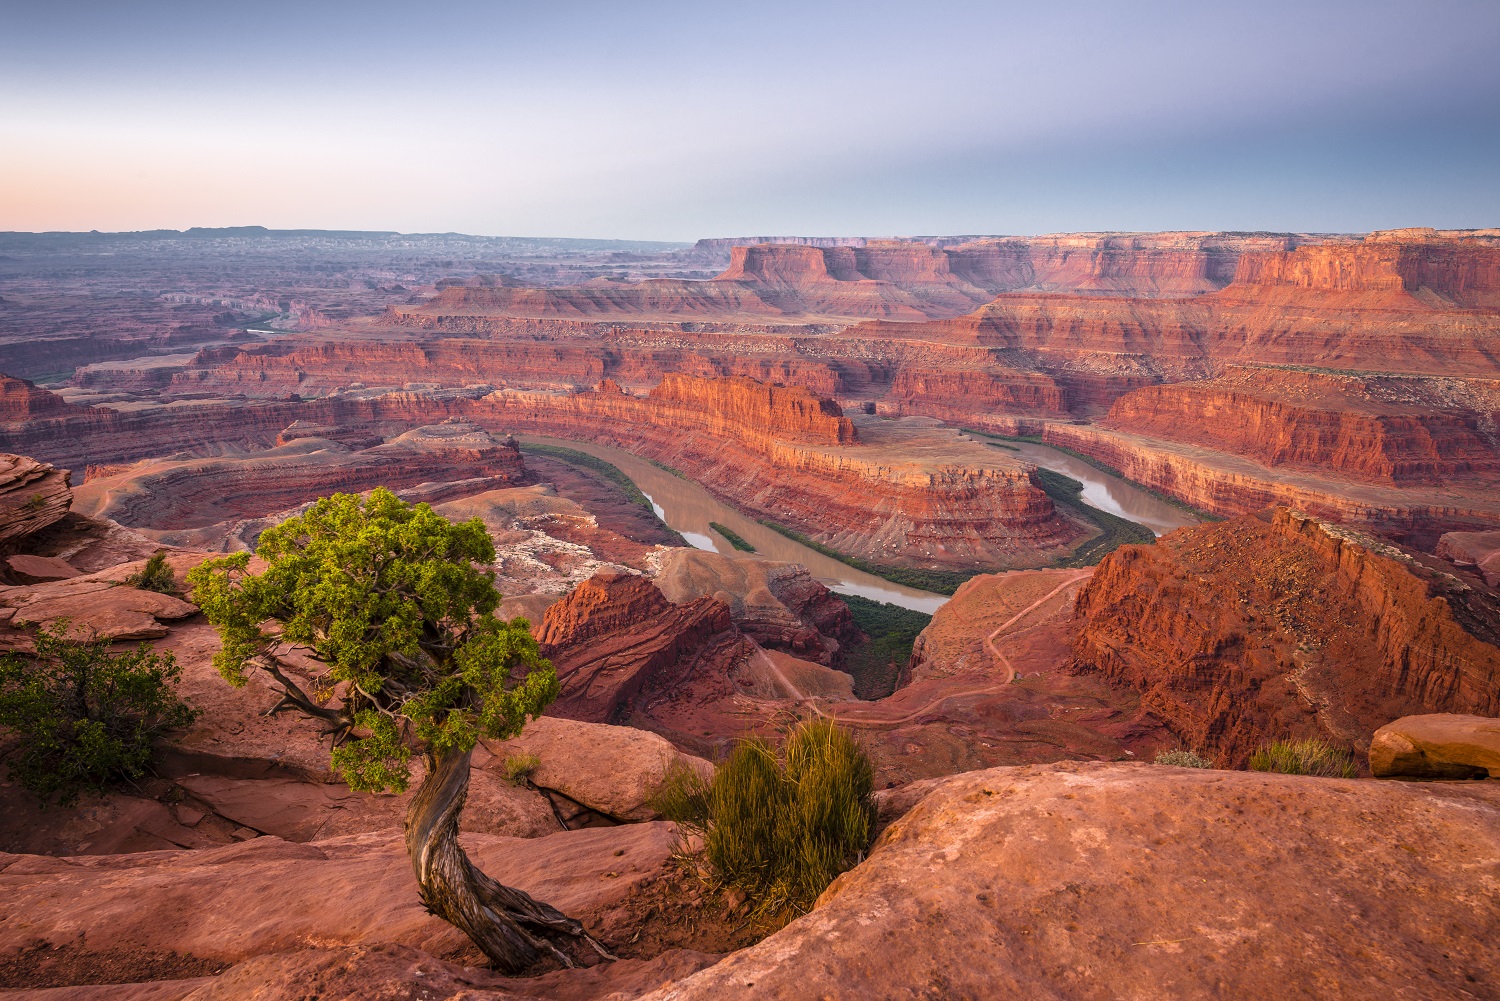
[1103, 881]
[26, 569]
[96, 606]
[267, 895]
[1437, 746]
[33, 495]
[611, 769]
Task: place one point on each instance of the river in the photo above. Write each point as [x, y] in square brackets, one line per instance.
[1106, 492]
[688, 508]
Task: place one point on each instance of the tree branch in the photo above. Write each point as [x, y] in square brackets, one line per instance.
[293, 697]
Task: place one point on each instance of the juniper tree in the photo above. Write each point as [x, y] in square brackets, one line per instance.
[397, 602]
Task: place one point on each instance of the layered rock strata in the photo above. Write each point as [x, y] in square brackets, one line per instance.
[779, 605]
[33, 496]
[1400, 432]
[1226, 484]
[185, 493]
[616, 638]
[900, 492]
[1252, 630]
[1352, 305]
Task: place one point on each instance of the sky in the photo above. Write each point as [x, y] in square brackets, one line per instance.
[674, 121]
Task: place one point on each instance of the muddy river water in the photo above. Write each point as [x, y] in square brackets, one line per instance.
[688, 508]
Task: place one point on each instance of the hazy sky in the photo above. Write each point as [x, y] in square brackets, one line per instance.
[678, 120]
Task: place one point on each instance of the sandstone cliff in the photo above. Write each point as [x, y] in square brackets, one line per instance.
[33, 495]
[1251, 630]
[903, 493]
[1436, 272]
[1223, 483]
[616, 640]
[1424, 307]
[185, 493]
[1388, 430]
[779, 605]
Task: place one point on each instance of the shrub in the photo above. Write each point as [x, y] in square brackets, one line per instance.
[780, 827]
[1183, 759]
[518, 767]
[86, 717]
[154, 576]
[876, 664]
[1304, 757]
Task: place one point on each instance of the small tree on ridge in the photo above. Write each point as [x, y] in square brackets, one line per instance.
[397, 601]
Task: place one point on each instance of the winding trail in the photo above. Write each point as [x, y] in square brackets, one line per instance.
[990, 689]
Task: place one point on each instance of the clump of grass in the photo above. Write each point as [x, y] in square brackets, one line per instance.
[780, 826]
[154, 576]
[732, 537]
[519, 766]
[1304, 757]
[35, 503]
[1183, 759]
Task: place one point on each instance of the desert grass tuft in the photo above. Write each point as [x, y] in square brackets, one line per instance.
[519, 766]
[780, 825]
[1304, 757]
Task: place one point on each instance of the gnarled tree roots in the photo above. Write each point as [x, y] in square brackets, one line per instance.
[512, 929]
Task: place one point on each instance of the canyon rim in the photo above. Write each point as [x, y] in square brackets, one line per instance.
[1099, 601]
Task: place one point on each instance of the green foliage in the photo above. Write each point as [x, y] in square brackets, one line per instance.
[1183, 759]
[732, 537]
[154, 576]
[780, 827]
[892, 630]
[86, 718]
[519, 766]
[1304, 757]
[936, 581]
[35, 503]
[397, 601]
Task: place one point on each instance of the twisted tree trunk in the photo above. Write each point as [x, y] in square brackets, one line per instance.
[512, 929]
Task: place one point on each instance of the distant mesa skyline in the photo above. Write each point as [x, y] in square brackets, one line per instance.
[673, 121]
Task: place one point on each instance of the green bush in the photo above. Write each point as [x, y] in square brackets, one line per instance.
[86, 718]
[518, 767]
[780, 827]
[154, 576]
[1183, 759]
[1304, 757]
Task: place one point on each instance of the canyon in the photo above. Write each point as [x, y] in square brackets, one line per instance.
[1320, 411]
